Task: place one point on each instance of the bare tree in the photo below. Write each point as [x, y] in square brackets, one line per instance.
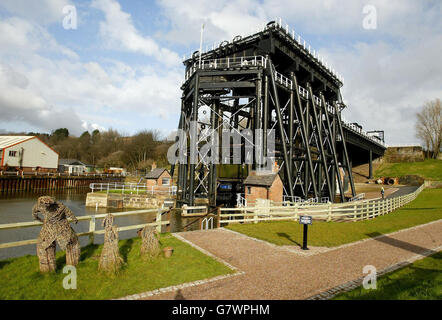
[429, 126]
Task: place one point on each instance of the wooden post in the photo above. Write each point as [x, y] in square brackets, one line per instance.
[329, 212]
[218, 217]
[91, 229]
[158, 221]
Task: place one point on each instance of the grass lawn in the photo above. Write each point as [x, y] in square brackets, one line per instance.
[427, 207]
[20, 277]
[430, 169]
[422, 280]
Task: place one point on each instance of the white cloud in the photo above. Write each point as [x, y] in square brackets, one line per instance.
[120, 33]
[389, 72]
[20, 103]
[41, 12]
[45, 85]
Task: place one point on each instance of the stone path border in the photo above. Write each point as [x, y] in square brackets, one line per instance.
[351, 285]
[187, 284]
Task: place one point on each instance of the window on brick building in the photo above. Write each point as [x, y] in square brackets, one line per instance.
[249, 190]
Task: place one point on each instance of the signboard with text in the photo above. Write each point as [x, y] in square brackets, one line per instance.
[305, 220]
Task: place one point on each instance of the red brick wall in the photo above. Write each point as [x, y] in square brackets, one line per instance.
[276, 190]
[255, 193]
[158, 182]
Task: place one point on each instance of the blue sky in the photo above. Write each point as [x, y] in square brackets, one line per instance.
[121, 68]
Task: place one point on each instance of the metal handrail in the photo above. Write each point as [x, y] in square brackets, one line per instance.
[133, 188]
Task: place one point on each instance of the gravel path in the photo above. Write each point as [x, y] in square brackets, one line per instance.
[272, 272]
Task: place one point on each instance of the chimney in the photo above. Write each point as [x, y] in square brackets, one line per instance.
[275, 167]
[154, 166]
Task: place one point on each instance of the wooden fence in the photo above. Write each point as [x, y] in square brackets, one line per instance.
[349, 211]
[92, 225]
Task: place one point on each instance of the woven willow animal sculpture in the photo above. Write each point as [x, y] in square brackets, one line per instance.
[150, 246]
[110, 260]
[56, 229]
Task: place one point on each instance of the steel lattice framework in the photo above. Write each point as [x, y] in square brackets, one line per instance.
[267, 83]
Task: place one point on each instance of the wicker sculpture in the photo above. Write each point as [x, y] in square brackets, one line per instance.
[56, 229]
[150, 246]
[110, 260]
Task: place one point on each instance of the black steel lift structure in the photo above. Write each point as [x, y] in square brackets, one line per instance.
[270, 83]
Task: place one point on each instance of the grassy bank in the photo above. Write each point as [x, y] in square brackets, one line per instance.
[21, 279]
[429, 169]
[422, 280]
[427, 207]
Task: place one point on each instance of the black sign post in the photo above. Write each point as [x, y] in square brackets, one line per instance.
[305, 220]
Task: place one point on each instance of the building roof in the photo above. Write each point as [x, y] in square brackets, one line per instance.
[72, 162]
[155, 173]
[264, 180]
[7, 141]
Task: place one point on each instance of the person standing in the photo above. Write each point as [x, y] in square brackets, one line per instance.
[383, 193]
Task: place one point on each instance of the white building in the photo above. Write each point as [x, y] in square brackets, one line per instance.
[28, 153]
[72, 166]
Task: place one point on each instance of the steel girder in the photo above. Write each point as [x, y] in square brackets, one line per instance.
[306, 131]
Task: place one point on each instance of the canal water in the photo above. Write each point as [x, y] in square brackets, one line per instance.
[18, 208]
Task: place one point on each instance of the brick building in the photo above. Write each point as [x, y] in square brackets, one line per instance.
[263, 186]
[158, 177]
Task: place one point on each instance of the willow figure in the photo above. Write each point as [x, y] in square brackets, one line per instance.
[150, 246]
[56, 229]
[110, 260]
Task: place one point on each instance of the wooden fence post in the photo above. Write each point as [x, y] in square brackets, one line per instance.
[218, 217]
[91, 230]
[158, 221]
[329, 212]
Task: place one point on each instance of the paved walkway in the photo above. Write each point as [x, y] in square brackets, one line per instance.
[403, 190]
[272, 272]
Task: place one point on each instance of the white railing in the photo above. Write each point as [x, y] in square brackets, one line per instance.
[207, 223]
[240, 201]
[132, 188]
[349, 211]
[226, 63]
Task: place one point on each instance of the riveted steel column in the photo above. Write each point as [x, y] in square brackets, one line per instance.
[194, 140]
[281, 128]
[304, 125]
[321, 146]
[335, 168]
